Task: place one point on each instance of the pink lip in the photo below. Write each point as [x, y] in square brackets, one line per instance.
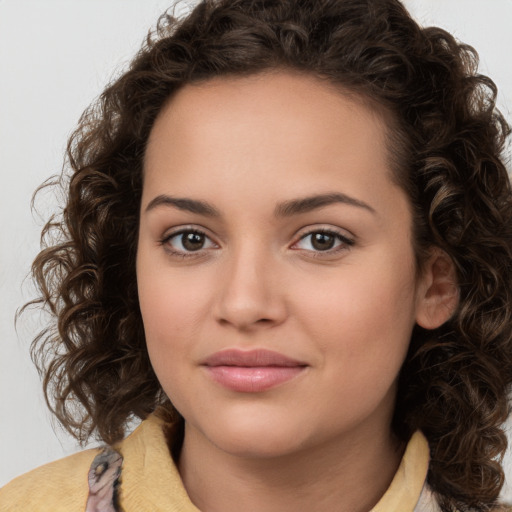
[252, 371]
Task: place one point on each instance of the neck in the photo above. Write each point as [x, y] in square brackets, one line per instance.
[349, 473]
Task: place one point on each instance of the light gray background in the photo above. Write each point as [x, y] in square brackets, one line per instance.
[55, 57]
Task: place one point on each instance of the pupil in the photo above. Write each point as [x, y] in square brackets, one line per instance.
[322, 241]
[193, 241]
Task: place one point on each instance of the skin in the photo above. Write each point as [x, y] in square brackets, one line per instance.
[322, 440]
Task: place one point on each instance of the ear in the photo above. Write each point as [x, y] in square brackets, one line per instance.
[438, 291]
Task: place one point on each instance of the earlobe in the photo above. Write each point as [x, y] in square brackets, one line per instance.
[438, 291]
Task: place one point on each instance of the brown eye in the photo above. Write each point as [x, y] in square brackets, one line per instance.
[187, 241]
[192, 241]
[322, 241]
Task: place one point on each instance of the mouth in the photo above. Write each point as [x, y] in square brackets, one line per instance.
[252, 371]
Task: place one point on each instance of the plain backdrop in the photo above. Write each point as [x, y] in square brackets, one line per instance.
[55, 58]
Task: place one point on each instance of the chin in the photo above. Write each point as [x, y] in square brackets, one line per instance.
[253, 436]
[258, 445]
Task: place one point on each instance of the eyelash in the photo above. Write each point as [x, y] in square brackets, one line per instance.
[345, 244]
[181, 254]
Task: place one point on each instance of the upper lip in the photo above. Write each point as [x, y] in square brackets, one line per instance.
[250, 358]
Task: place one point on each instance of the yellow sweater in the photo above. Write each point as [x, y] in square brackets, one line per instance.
[151, 482]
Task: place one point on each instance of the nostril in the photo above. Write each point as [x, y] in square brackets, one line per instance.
[246, 324]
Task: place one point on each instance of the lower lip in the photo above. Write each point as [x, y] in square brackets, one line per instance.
[253, 379]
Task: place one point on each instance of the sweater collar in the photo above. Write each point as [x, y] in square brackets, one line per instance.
[150, 479]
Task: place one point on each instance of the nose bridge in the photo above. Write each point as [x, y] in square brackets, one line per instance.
[249, 293]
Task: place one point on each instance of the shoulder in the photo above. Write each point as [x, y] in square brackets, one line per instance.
[67, 484]
[59, 486]
[428, 503]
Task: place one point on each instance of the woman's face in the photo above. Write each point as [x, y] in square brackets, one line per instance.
[275, 265]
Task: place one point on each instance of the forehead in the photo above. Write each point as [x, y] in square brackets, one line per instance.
[283, 128]
[262, 105]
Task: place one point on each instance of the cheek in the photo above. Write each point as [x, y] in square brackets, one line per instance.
[168, 313]
[364, 314]
[171, 297]
[173, 306]
[170, 327]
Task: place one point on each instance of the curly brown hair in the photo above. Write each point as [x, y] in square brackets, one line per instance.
[446, 141]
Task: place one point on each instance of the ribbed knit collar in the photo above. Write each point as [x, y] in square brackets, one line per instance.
[150, 479]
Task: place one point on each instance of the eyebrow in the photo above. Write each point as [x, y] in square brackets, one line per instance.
[307, 204]
[189, 205]
[285, 209]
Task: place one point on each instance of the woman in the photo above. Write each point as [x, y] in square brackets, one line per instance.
[286, 247]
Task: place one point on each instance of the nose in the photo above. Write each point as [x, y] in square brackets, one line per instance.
[251, 296]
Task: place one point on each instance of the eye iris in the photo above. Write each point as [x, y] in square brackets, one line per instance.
[192, 241]
[322, 241]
